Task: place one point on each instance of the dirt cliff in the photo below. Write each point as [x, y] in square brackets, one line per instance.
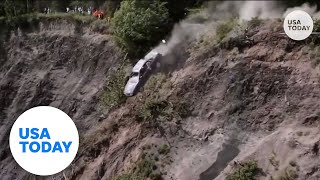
[58, 64]
[251, 97]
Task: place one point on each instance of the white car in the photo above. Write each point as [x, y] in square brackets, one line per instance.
[140, 73]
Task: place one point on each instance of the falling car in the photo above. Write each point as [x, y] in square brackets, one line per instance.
[141, 72]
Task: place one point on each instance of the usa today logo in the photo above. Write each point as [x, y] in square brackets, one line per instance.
[298, 25]
[44, 140]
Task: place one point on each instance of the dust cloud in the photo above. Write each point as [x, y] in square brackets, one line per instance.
[214, 12]
[260, 9]
[312, 10]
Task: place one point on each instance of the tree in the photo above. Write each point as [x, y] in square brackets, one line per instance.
[9, 8]
[139, 25]
[178, 8]
[110, 6]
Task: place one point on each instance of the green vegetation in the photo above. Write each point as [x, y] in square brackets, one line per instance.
[22, 21]
[182, 108]
[155, 82]
[11, 9]
[113, 93]
[139, 25]
[154, 105]
[247, 171]
[110, 7]
[100, 25]
[154, 108]
[254, 22]
[164, 149]
[316, 25]
[207, 40]
[315, 40]
[26, 20]
[224, 28]
[84, 4]
[77, 17]
[144, 169]
[196, 10]
[128, 177]
[150, 164]
[157, 106]
[314, 54]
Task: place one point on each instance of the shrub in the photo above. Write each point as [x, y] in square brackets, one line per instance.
[152, 109]
[204, 42]
[139, 25]
[113, 94]
[12, 9]
[224, 28]
[158, 109]
[144, 169]
[196, 10]
[155, 83]
[84, 19]
[100, 25]
[156, 104]
[76, 3]
[316, 26]
[314, 55]
[247, 171]
[128, 177]
[254, 22]
[109, 7]
[182, 108]
[164, 149]
[22, 21]
[315, 40]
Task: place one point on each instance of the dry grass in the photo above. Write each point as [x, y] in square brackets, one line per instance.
[77, 17]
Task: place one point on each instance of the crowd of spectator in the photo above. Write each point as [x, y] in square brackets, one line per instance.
[76, 9]
[79, 9]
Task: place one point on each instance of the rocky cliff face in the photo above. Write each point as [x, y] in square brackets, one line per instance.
[254, 96]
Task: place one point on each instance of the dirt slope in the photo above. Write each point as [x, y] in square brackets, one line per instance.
[252, 103]
[254, 96]
[54, 66]
[245, 100]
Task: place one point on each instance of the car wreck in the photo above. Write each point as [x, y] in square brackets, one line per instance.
[141, 72]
